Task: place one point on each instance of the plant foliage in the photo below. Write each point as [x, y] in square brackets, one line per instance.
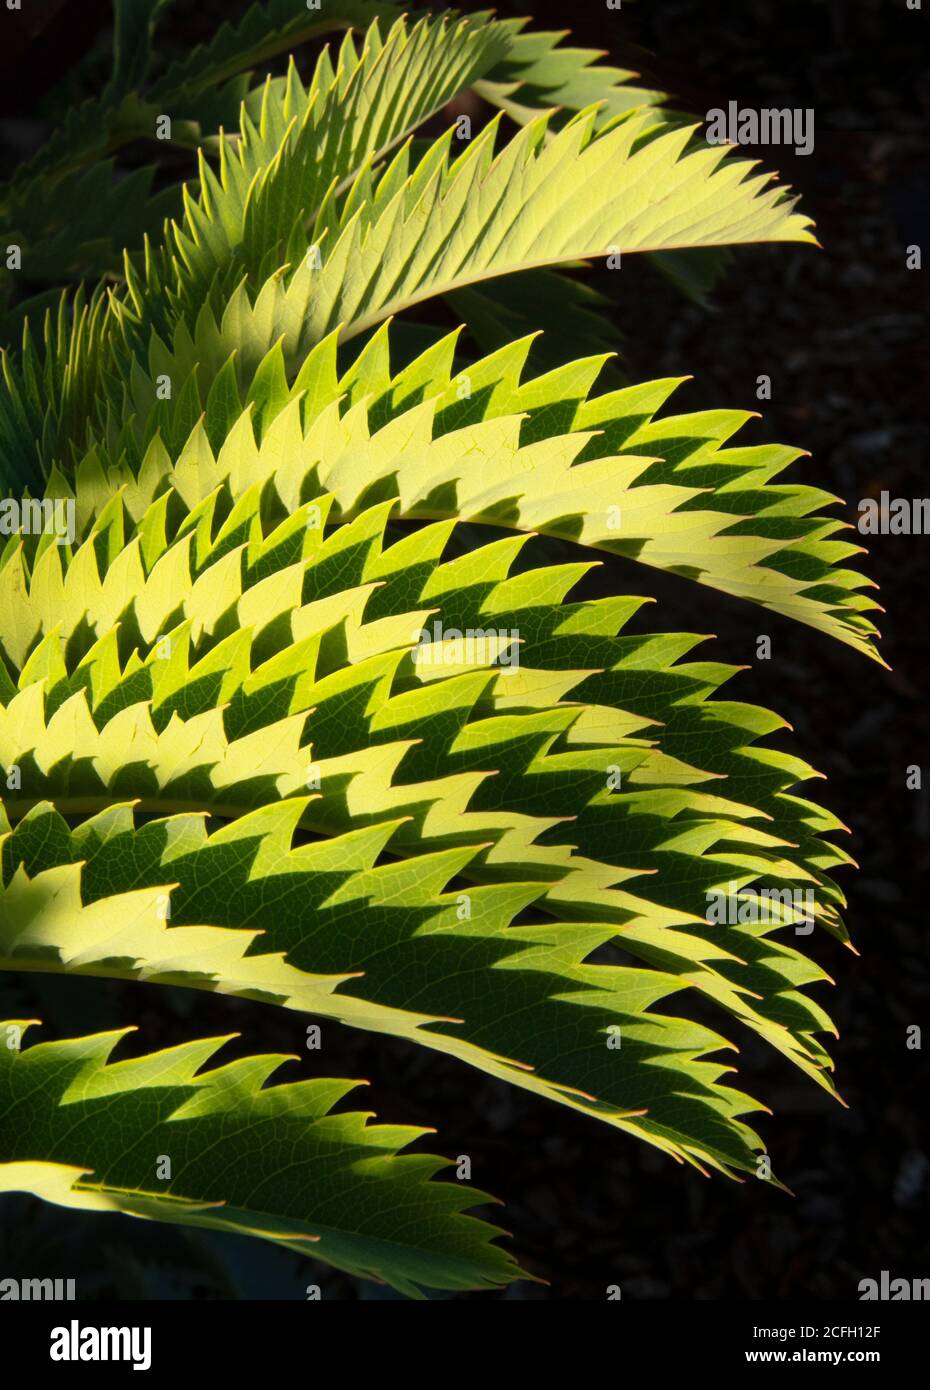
[233, 763]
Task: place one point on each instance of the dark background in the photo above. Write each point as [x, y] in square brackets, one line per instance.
[843, 334]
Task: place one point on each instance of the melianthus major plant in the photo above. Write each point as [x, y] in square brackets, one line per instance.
[298, 705]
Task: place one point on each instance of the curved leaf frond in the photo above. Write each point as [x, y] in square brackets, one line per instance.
[157, 1137]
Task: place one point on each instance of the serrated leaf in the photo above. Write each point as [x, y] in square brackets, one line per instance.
[159, 1137]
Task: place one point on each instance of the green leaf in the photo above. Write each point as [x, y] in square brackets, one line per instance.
[607, 470]
[539, 73]
[307, 702]
[157, 1137]
[265, 30]
[134, 23]
[290, 663]
[582, 194]
[305, 143]
[306, 159]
